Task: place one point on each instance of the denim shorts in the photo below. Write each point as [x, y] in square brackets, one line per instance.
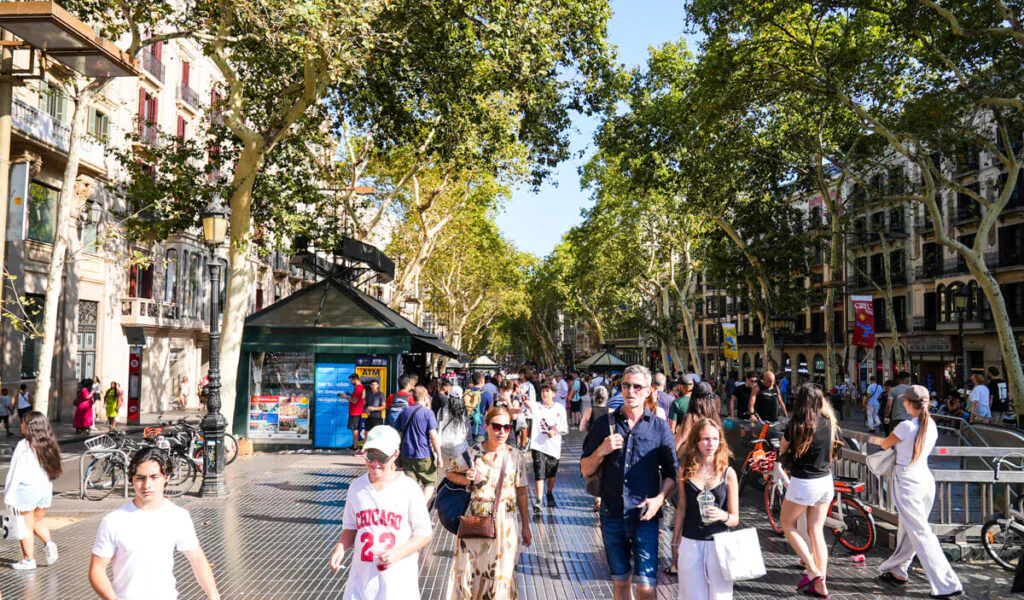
[631, 546]
[31, 497]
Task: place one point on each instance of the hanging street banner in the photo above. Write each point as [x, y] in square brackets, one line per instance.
[864, 321]
[730, 350]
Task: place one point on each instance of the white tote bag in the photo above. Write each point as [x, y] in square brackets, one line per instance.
[739, 554]
[882, 463]
[14, 525]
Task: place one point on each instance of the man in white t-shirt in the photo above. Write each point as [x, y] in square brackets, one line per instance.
[561, 389]
[549, 425]
[386, 519]
[139, 540]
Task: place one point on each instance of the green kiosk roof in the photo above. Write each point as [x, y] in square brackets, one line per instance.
[334, 316]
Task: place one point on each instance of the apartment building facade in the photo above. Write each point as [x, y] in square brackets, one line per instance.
[925, 278]
[110, 282]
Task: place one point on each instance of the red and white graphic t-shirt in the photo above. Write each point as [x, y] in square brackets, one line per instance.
[384, 519]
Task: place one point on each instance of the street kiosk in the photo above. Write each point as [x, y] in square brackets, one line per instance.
[297, 356]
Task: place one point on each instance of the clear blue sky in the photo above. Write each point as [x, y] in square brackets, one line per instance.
[536, 220]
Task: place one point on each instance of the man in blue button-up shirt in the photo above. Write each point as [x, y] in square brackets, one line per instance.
[638, 471]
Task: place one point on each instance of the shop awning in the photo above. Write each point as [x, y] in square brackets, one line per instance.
[334, 308]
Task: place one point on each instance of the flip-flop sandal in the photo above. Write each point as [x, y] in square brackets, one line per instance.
[806, 582]
[888, 577]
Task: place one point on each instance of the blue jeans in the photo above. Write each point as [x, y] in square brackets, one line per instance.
[630, 541]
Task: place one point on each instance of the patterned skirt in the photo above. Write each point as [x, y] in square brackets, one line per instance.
[486, 569]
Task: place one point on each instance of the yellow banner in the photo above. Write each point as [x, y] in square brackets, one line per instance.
[730, 350]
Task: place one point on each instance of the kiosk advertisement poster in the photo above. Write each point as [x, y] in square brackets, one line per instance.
[333, 389]
[373, 367]
[279, 417]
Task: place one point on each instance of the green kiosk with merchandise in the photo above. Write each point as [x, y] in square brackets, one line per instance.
[297, 357]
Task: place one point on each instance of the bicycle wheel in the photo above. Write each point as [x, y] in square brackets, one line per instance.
[859, 534]
[182, 478]
[1003, 543]
[100, 478]
[774, 493]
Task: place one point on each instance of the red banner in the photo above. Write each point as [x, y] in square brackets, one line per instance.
[134, 384]
[864, 324]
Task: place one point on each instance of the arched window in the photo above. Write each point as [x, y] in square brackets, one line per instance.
[787, 365]
[758, 362]
[746, 364]
[801, 368]
[171, 277]
[942, 309]
[973, 297]
[819, 365]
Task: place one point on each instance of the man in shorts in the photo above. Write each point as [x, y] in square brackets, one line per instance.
[375, 405]
[549, 425]
[635, 455]
[140, 539]
[356, 404]
[387, 523]
[421, 447]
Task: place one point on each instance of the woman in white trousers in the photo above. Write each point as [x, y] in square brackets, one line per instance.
[708, 504]
[914, 493]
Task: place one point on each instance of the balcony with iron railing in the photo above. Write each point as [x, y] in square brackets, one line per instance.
[153, 65]
[146, 312]
[188, 95]
[42, 127]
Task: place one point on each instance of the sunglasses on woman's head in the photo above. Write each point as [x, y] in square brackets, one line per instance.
[377, 457]
[497, 427]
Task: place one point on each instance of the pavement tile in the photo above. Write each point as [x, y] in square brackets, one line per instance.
[271, 539]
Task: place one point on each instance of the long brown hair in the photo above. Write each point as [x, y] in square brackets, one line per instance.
[691, 457]
[44, 443]
[804, 422]
[916, 398]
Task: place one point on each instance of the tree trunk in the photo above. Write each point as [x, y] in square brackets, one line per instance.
[890, 314]
[55, 277]
[240, 279]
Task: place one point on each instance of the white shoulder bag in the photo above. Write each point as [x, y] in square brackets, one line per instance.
[14, 526]
[882, 463]
[739, 554]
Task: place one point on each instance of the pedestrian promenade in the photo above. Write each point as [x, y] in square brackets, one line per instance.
[272, 537]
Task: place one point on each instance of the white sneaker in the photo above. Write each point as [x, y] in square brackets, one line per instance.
[51, 552]
[24, 565]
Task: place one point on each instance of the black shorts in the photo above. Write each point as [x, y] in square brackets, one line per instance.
[353, 422]
[24, 411]
[576, 406]
[373, 421]
[544, 466]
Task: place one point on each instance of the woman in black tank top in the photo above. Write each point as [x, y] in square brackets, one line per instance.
[708, 504]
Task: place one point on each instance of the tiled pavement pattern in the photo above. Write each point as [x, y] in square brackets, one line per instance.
[271, 540]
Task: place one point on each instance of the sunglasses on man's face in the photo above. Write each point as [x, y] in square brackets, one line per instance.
[499, 427]
[377, 457]
[636, 387]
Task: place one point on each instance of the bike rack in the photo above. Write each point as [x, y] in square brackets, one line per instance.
[101, 452]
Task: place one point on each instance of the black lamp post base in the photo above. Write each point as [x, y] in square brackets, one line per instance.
[214, 484]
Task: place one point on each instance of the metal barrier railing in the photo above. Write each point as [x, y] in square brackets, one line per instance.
[964, 498]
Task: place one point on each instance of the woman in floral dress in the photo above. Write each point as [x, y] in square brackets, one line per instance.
[485, 569]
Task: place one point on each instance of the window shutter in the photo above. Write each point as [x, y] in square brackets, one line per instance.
[154, 113]
[186, 67]
[181, 127]
[158, 50]
[142, 110]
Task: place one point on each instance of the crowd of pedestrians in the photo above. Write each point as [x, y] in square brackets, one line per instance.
[649, 441]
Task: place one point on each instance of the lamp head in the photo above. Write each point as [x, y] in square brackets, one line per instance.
[960, 298]
[215, 221]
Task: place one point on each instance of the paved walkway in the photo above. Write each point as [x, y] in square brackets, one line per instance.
[272, 537]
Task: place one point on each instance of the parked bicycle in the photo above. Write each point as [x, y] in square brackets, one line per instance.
[190, 433]
[1003, 536]
[114, 451]
[849, 519]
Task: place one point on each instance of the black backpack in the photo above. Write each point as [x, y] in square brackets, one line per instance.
[584, 390]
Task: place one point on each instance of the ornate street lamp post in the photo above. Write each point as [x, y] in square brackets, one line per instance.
[960, 302]
[782, 325]
[215, 227]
